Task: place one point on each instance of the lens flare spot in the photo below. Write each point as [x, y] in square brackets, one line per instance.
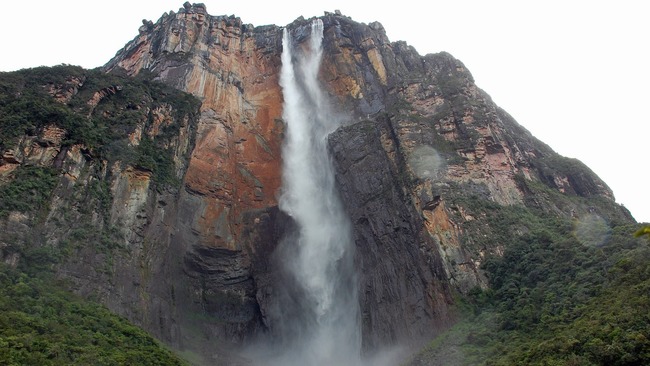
[427, 163]
[591, 230]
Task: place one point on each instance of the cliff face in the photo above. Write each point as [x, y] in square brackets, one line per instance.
[91, 171]
[226, 225]
[421, 144]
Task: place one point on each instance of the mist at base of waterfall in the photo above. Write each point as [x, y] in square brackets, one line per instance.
[268, 354]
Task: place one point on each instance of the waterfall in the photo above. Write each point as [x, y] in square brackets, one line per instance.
[318, 315]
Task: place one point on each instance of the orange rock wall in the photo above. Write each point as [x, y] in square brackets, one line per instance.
[235, 165]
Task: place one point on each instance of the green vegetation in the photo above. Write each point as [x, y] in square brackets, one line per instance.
[40, 324]
[554, 298]
[559, 302]
[30, 190]
[25, 105]
[147, 157]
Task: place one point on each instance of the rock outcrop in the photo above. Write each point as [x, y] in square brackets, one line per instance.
[194, 266]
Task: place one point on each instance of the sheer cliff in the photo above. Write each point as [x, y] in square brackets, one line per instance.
[173, 218]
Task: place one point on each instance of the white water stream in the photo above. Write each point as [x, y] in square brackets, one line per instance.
[319, 322]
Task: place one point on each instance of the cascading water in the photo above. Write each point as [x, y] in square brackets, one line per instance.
[317, 320]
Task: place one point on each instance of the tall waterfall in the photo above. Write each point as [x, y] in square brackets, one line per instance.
[319, 320]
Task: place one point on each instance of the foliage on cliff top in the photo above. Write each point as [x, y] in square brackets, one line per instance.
[27, 107]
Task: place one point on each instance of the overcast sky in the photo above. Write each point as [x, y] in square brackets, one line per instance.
[574, 73]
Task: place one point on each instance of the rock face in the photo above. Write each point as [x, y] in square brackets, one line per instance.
[228, 205]
[94, 171]
[420, 141]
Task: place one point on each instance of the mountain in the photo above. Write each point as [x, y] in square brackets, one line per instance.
[151, 186]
